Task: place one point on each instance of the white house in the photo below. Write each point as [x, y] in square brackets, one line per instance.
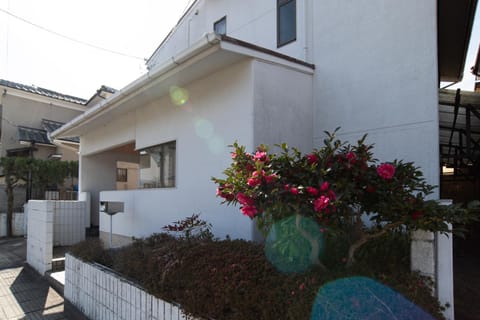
[267, 72]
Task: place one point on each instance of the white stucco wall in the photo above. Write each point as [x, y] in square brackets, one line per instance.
[283, 107]
[376, 73]
[219, 111]
[248, 20]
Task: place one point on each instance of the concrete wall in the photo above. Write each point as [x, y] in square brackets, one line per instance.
[40, 235]
[376, 73]
[60, 223]
[68, 222]
[283, 108]
[100, 294]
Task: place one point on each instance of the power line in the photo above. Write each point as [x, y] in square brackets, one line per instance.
[70, 38]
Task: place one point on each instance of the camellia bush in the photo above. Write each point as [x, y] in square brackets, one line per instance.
[342, 187]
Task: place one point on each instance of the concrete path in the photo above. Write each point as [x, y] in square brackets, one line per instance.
[24, 294]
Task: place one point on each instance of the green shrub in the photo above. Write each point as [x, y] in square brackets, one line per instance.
[232, 279]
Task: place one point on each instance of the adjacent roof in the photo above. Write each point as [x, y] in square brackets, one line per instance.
[476, 67]
[42, 136]
[49, 126]
[42, 92]
[37, 136]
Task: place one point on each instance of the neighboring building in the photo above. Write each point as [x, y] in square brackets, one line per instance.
[275, 71]
[29, 114]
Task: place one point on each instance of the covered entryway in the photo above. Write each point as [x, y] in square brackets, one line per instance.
[459, 117]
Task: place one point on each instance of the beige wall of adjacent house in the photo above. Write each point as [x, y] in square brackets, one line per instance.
[19, 110]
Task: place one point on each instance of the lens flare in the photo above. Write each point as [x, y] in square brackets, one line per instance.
[216, 144]
[294, 244]
[204, 128]
[179, 96]
[363, 298]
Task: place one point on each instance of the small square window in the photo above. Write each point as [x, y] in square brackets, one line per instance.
[122, 175]
[286, 22]
[220, 27]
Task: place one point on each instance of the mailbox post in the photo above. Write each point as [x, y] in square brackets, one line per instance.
[111, 208]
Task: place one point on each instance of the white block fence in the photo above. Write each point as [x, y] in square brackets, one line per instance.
[17, 223]
[50, 223]
[101, 294]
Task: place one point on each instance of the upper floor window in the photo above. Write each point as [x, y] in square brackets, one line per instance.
[286, 22]
[220, 27]
[157, 166]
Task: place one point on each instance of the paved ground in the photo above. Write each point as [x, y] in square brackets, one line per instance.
[24, 294]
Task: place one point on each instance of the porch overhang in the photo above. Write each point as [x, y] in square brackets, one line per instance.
[455, 22]
[210, 54]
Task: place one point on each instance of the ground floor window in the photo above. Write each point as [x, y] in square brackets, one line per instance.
[157, 166]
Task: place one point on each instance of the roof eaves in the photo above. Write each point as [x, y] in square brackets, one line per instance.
[43, 92]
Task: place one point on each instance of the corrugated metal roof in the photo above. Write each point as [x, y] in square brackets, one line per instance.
[43, 92]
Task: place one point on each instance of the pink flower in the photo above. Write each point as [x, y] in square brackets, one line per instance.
[261, 156]
[294, 191]
[351, 157]
[234, 155]
[321, 203]
[331, 195]
[245, 200]
[286, 187]
[312, 191]
[249, 211]
[324, 187]
[269, 179]
[386, 171]
[312, 158]
[253, 182]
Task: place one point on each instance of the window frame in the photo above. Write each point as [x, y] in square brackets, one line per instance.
[280, 4]
[122, 173]
[161, 184]
[224, 18]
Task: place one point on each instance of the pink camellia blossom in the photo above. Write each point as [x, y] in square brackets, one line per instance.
[386, 171]
[312, 158]
[270, 178]
[294, 191]
[245, 200]
[286, 187]
[261, 156]
[234, 155]
[321, 203]
[331, 195]
[324, 187]
[249, 211]
[351, 157]
[253, 182]
[312, 191]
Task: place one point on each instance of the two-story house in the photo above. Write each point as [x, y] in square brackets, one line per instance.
[28, 115]
[267, 72]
